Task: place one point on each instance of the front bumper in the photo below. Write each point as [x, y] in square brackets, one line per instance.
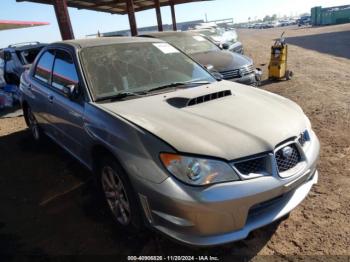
[252, 79]
[226, 212]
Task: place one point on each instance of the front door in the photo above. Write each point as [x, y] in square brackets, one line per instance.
[65, 113]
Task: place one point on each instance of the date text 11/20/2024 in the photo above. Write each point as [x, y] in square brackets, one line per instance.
[173, 258]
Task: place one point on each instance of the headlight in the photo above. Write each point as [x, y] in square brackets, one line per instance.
[198, 171]
[307, 122]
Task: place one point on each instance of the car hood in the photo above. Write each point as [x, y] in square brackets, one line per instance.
[222, 60]
[248, 122]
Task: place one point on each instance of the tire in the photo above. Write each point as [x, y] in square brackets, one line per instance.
[119, 196]
[32, 124]
[289, 75]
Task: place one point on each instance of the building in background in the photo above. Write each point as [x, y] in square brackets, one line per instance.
[330, 15]
[181, 26]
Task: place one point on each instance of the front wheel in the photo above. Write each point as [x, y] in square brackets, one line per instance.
[119, 196]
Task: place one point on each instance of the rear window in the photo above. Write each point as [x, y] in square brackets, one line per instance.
[44, 67]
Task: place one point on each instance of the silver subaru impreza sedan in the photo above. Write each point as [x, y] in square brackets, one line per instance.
[173, 147]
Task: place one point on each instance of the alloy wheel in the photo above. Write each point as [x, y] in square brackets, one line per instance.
[116, 196]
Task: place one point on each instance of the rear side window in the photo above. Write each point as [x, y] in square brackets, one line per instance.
[64, 72]
[44, 66]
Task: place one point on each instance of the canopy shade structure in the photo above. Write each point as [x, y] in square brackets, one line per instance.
[110, 6]
[115, 6]
[10, 24]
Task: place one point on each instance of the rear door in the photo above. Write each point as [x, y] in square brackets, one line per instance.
[66, 114]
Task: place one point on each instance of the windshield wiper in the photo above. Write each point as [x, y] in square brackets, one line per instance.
[176, 84]
[120, 96]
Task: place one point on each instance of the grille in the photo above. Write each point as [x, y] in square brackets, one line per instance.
[209, 97]
[285, 163]
[256, 165]
[264, 206]
[237, 73]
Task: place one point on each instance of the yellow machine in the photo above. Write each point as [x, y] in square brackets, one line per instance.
[278, 63]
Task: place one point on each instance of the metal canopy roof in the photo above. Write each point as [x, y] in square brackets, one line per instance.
[9, 24]
[114, 6]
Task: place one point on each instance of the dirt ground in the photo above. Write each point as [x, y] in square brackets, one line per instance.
[48, 208]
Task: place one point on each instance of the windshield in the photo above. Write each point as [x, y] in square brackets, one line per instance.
[212, 31]
[191, 44]
[208, 32]
[137, 67]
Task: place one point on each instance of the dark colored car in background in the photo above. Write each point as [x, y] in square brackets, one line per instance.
[232, 66]
[17, 58]
[304, 20]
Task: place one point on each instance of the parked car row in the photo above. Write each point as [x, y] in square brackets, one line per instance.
[273, 24]
[173, 146]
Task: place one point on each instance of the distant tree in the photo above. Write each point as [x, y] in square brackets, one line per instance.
[267, 18]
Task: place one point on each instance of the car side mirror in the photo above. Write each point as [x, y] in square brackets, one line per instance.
[217, 76]
[214, 73]
[7, 56]
[71, 91]
[225, 46]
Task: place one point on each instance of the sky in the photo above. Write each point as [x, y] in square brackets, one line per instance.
[89, 22]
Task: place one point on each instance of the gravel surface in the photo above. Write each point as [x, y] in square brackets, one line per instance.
[49, 208]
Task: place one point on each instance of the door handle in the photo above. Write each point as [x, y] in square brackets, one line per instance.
[50, 98]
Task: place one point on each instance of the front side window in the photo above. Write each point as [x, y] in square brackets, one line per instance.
[137, 67]
[44, 66]
[64, 71]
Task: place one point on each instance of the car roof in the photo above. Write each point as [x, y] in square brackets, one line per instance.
[101, 41]
[169, 33]
[24, 47]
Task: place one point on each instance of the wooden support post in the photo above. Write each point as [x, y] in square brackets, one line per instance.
[159, 15]
[63, 19]
[132, 19]
[173, 15]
